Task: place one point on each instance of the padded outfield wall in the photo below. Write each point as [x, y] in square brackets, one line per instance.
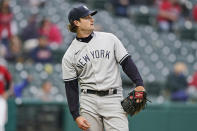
[36, 115]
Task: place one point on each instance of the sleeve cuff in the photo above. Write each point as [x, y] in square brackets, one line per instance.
[140, 84]
[70, 79]
[75, 115]
[123, 58]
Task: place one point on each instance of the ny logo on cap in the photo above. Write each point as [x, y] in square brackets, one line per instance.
[85, 7]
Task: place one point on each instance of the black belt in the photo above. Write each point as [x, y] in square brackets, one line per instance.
[100, 93]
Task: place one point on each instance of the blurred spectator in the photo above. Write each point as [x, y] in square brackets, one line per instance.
[42, 53]
[2, 55]
[7, 27]
[46, 93]
[169, 12]
[52, 32]
[185, 11]
[31, 30]
[29, 34]
[193, 82]
[34, 5]
[2, 50]
[192, 89]
[18, 88]
[30, 44]
[5, 92]
[15, 51]
[37, 3]
[194, 13]
[120, 7]
[176, 83]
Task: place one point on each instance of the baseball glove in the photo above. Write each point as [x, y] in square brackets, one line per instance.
[130, 105]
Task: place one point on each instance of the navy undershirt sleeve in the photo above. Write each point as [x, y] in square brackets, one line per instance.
[131, 70]
[72, 91]
[72, 94]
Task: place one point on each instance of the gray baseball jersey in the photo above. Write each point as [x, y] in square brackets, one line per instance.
[95, 64]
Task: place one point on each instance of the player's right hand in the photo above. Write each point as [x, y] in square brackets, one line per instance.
[139, 88]
[82, 123]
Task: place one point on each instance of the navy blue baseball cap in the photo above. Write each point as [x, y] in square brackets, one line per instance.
[79, 12]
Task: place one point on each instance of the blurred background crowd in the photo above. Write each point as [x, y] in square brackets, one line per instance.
[160, 35]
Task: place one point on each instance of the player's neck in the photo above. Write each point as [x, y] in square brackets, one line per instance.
[86, 39]
[83, 34]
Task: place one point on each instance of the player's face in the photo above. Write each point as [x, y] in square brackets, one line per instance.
[86, 23]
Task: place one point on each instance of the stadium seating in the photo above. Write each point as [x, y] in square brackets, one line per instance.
[153, 52]
[39, 72]
[143, 14]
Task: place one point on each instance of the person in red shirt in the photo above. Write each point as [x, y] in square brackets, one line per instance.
[192, 89]
[5, 79]
[52, 32]
[5, 89]
[194, 13]
[169, 12]
[194, 80]
[6, 17]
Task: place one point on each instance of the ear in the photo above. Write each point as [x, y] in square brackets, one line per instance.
[76, 23]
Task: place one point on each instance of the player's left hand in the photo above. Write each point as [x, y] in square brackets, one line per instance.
[139, 88]
[135, 101]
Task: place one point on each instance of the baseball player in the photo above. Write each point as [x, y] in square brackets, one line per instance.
[92, 61]
[5, 83]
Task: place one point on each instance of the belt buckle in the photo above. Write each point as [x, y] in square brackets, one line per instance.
[84, 91]
[101, 93]
[111, 91]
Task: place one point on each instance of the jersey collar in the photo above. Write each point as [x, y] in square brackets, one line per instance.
[86, 39]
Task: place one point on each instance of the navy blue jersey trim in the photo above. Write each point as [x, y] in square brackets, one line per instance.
[70, 79]
[123, 58]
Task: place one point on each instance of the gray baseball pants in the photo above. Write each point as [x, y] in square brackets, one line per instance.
[103, 112]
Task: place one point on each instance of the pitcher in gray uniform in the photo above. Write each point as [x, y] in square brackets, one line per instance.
[92, 62]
